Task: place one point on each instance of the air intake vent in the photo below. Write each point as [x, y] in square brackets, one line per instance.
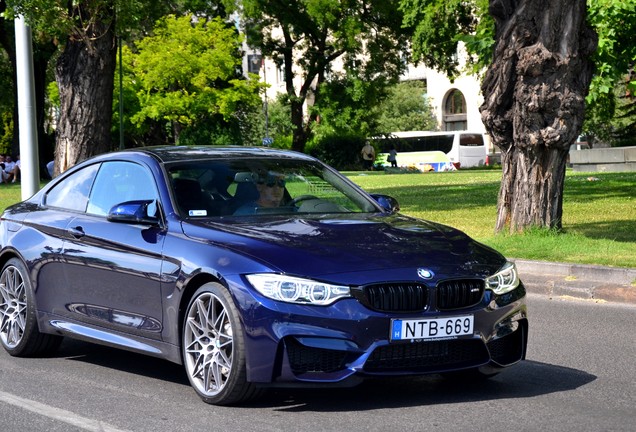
[393, 297]
[459, 293]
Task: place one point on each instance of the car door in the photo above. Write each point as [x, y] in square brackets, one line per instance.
[113, 269]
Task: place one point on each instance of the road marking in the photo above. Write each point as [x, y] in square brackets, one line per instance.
[57, 414]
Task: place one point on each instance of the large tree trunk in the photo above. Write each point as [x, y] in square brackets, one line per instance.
[85, 76]
[300, 129]
[534, 105]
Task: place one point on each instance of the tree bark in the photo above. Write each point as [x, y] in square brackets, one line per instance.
[85, 77]
[534, 106]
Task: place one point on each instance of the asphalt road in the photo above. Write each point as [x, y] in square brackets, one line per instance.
[580, 375]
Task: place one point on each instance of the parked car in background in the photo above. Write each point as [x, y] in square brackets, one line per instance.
[252, 267]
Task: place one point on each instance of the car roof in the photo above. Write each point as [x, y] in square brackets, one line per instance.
[167, 154]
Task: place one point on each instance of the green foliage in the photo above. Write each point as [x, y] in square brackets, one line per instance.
[6, 105]
[406, 108]
[307, 37]
[280, 127]
[338, 150]
[63, 19]
[610, 112]
[215, 131]
[480, 43]
[186, 74]
[438, 26]
[6, 132]
[343, 106]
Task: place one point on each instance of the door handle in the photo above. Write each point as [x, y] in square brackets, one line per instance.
[76, 232]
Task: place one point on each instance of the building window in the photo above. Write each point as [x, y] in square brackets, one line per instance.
[254, 62]
[455, 111]
[455, 103]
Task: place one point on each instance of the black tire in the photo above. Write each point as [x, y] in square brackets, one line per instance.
[19, 332]
[213, 347]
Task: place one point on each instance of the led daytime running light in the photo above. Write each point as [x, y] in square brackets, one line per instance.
[297, 290]
[505, 280]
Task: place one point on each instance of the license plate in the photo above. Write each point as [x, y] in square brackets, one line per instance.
[434, 328]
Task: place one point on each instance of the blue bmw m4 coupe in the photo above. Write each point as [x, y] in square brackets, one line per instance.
[254, 268]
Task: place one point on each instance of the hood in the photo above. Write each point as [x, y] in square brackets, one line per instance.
[321, 246]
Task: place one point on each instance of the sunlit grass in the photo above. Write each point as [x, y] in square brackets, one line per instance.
[9, 194]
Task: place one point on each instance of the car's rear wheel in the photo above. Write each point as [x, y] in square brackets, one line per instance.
[19, 333]
[214, 347]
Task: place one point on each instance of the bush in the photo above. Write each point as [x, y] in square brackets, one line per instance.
[340, 151]
[6, 132]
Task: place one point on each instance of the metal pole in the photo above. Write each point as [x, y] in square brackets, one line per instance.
[266, 108]
[29, 169]
[121, 99]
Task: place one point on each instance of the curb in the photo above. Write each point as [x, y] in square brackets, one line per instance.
[589, 282]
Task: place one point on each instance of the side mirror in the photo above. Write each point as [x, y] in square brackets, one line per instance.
[135, 212]
[387, 202]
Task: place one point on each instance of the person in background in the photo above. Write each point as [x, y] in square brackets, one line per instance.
[17, 170]
[50, 167]
[2, 169]
[392, 157]
[7, 172]
[368, 156]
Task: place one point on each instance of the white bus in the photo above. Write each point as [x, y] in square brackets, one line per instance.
[464, 149]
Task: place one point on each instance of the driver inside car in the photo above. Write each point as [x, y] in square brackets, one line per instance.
[271, 194]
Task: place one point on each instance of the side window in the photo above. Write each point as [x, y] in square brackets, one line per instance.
[72, 192]
[118, 182]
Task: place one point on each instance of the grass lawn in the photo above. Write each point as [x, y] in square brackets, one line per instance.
[599, 212]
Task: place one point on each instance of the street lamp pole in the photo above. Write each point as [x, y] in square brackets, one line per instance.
[121, 98]
[29, 160]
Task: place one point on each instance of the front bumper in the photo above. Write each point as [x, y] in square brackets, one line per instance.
[294, 345]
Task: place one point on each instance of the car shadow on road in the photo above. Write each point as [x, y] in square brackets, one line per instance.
[138, 364]
[524, 380]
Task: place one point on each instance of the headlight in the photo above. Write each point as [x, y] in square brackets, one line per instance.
[296, 290]
[505, 280]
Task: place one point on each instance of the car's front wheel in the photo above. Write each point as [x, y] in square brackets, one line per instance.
[214, 348]
[19, 333]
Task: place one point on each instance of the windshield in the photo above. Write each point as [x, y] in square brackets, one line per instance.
[247, 187]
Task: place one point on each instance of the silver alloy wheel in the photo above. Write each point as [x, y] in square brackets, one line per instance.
[208, 344]
[13, 307]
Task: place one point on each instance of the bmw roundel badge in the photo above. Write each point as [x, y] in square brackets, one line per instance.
[425, 273]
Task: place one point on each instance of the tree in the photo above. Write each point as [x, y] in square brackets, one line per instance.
[534, 104]
[436, 27]
[611, 112]
[342, 107]
[43, 50]
[406, 108]
[86, 33]
[279, 125]
[187, 73]
[534, 91]
[305, 38]
[6, 106]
